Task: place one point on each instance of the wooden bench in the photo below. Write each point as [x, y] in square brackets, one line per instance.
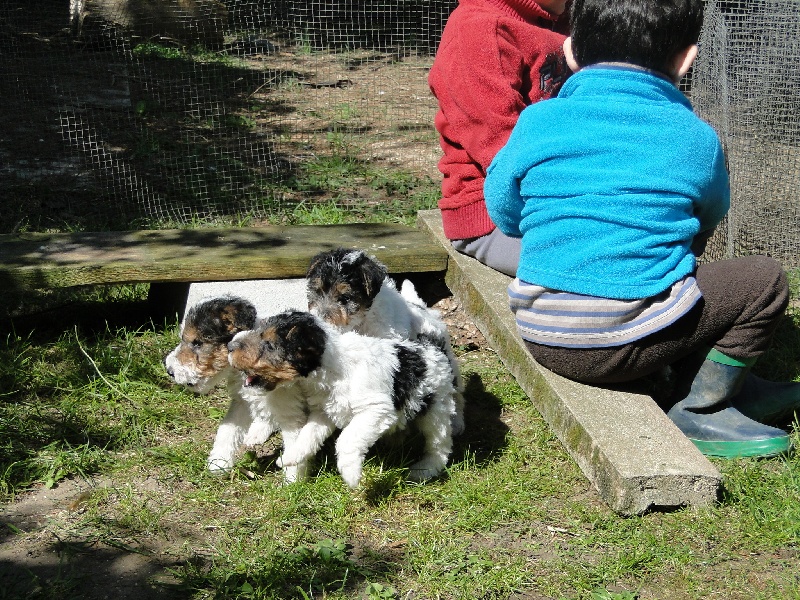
[48, 260]
[170, 260]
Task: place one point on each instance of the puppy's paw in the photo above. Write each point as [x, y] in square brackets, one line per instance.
[426, 469]
[259, 432]
[351, 476]
[295, 473]
[219, 465]
[286, 460]
[289, 474]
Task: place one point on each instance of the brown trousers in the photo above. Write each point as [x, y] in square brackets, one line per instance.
[743, 302]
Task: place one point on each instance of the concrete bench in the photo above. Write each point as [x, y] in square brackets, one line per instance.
[623, 442]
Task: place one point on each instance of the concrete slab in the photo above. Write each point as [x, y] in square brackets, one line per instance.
[269, 296]
[623, 442]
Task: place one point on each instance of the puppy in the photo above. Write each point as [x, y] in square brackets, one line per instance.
[365, 386]
[353, 292]
[200, 362]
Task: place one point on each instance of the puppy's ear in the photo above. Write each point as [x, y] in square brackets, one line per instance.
[373, 273]
[219, 319]
[245, 317]
[316, 262]
[237, 315]
[305, 343]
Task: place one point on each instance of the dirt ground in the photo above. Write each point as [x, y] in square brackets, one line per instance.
[52, 552]
[106, 137]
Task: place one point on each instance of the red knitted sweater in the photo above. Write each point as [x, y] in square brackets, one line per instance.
[495, 58]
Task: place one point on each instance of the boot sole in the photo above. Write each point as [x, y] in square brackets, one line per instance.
[751, 448]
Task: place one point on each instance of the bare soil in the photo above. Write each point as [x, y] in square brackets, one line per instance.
[206, 138]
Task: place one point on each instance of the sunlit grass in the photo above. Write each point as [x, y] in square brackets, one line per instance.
[513, 514]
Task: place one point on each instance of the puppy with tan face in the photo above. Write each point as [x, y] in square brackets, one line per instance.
[353, 291]
[280, 350]
[342, 285]
[364, 386]
[200, 362]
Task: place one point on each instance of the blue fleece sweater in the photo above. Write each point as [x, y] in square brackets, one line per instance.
[608, 184]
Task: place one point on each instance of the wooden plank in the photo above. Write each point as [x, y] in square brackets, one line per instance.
[40, 260]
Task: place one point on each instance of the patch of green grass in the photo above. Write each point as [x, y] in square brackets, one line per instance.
[74, 399]
[793, 276]
[153, 50]
[197, 53]
[331, 189]
[602, 594]
[92, 406]
[306, 571]
[340, 187]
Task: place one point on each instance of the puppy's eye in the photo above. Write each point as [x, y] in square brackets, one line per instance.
[267, 347]
[196, 343]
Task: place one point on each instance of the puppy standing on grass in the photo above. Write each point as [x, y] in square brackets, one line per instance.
[200, 362]
[363, 385]
[354, 292]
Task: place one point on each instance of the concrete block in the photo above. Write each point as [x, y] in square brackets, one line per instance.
[269, 296]
[623, 442]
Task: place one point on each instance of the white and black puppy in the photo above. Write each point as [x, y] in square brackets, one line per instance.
[200, 363]
[365, 386]
[353, 291]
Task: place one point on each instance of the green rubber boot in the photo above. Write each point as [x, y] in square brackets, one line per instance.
[708, 418]
[768, 402]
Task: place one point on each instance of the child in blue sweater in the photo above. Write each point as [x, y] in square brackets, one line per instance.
[612, 205]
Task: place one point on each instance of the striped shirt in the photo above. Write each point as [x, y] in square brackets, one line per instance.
[554, 318]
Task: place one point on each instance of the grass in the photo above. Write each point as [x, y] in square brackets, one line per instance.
[113, 456]
[87, 407]
[333, 188]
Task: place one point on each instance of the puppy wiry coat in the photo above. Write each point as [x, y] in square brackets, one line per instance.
[200, 362]
[352, 291]
[362, 385]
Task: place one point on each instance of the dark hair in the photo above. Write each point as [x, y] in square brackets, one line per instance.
[647, 33]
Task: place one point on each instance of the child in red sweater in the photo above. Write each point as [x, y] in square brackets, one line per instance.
[495, 58]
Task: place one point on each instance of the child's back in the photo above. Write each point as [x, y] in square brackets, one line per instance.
[631, 168]
[495, 58]
[610, 208]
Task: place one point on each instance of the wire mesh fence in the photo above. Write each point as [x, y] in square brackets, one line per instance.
[120, 114]
[747, 85]
[126, 113]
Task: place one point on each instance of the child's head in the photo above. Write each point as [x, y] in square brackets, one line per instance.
[647, 33]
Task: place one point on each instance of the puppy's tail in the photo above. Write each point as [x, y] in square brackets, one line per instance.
[409, 294]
